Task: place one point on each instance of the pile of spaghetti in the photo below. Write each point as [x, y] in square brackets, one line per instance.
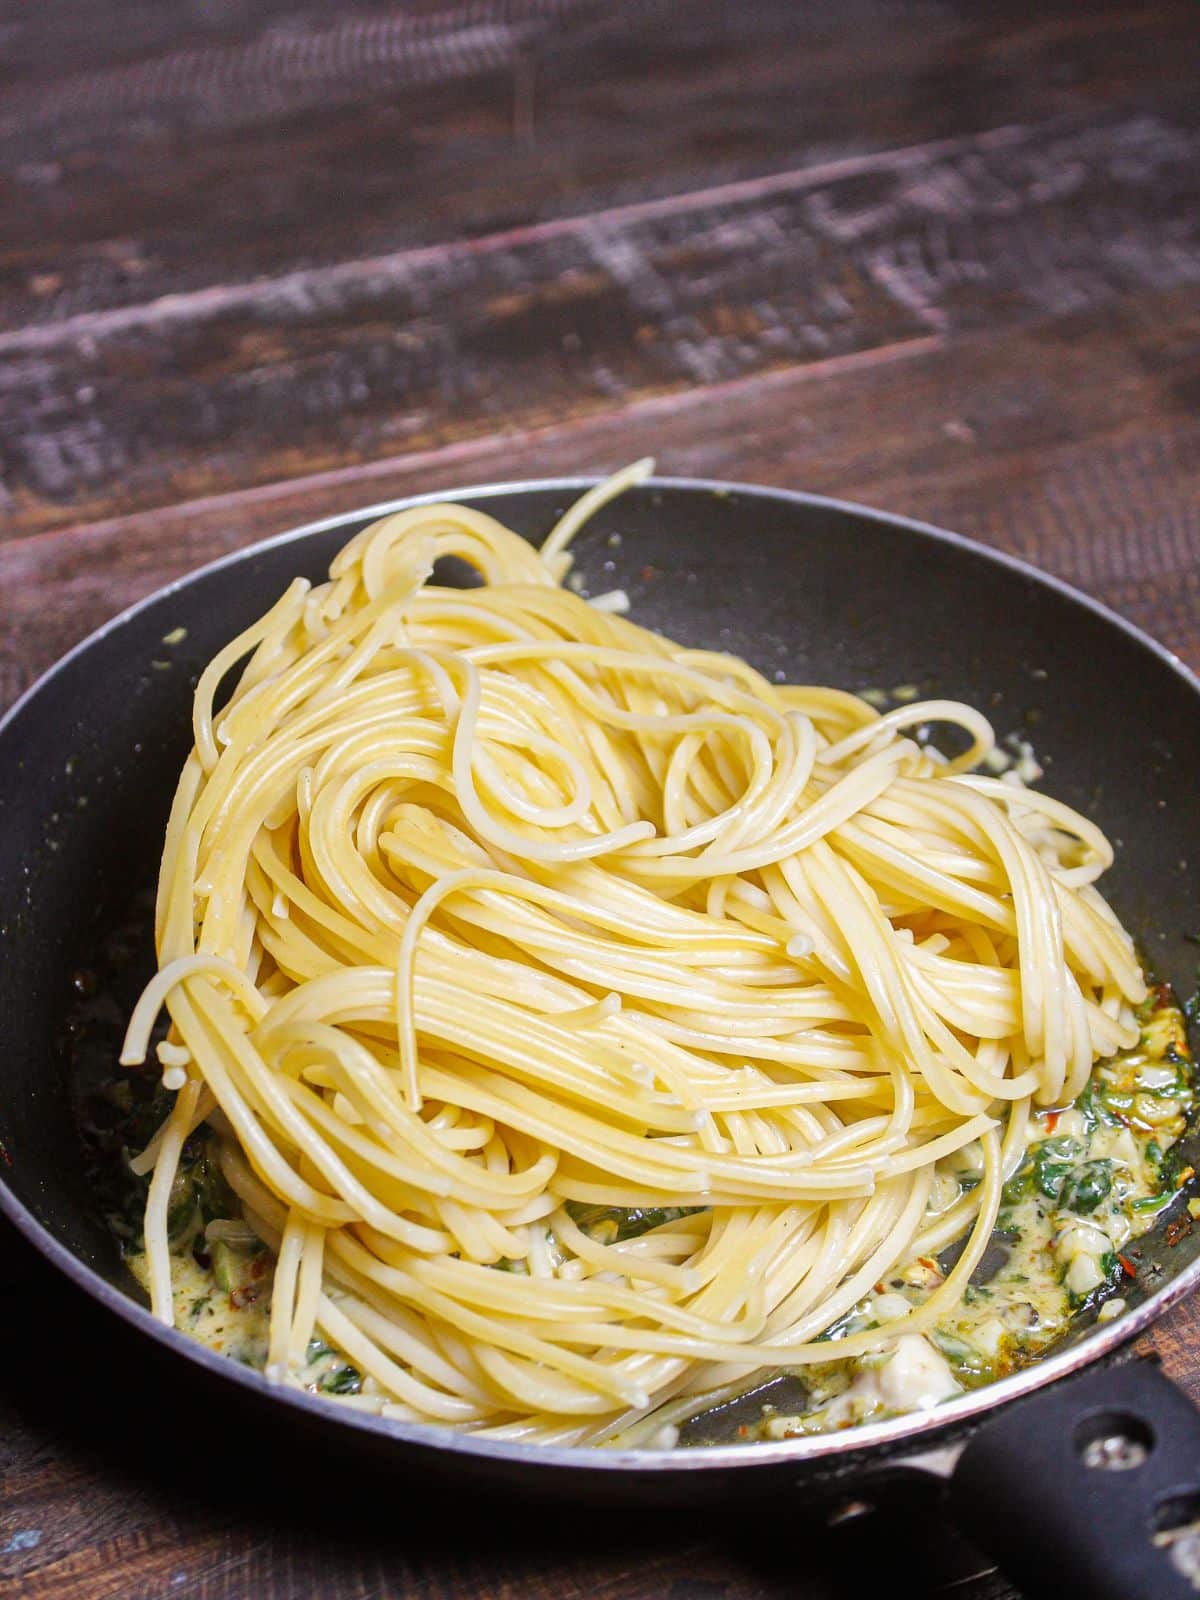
[481, 907]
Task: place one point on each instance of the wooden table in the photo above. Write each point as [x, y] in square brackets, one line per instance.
[265, 260]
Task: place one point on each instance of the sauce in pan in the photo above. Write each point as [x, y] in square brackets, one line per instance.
[1094, 1178]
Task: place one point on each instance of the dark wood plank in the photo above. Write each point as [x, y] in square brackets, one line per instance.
[323, 367]
[199, 145]
[1074, 443]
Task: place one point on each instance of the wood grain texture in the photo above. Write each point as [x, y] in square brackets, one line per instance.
[1074, 444]
[261, 262]
[110, 402]
[119, 154]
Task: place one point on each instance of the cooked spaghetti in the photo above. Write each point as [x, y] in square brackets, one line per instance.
[484, 911]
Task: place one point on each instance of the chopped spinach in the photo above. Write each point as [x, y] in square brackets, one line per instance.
[199, 1194]
[1174, 1165]
[1085, 1186]
[614, 1224]
[1114, 1276]
[846, 1323]
[1094, 1107]
[1053, 1160]
[342, 1380]
[1043, 1169]
[971, 1366]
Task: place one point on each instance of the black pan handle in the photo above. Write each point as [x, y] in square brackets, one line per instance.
[1090, 1489]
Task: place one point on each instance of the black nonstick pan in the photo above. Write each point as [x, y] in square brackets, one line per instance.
[1072, 1478]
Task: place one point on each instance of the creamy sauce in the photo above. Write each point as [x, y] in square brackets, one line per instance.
[1094, 1178]
[221, 1281]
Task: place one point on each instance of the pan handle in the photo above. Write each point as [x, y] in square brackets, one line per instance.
[1091, 1488]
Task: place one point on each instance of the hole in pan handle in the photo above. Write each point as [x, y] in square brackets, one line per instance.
[1089, 1488]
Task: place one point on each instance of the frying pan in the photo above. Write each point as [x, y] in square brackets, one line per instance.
[808, 589]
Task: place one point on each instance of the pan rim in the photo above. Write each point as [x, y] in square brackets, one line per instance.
[919, 1431]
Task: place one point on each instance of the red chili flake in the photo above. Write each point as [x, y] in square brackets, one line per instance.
[1177, 1230]
[1052, 1120]
[1127, 1267]
[650, 573]
[244, 1297]
[743, 1432]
